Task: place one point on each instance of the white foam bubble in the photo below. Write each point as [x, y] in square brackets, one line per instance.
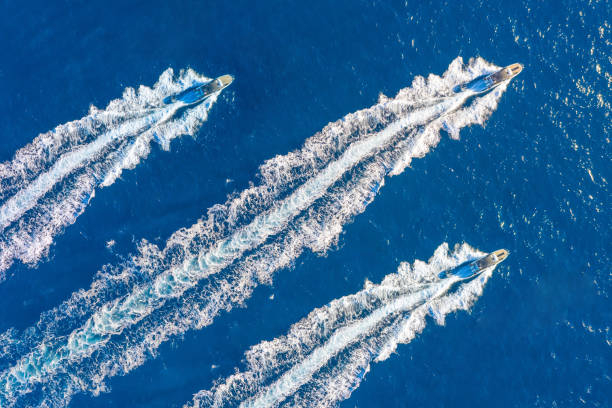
[303, 201]
[50, 182]
[324, 356]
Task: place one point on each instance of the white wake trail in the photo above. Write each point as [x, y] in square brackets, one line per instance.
[304, 200]
[50, 182]
[116, 316]
[331, 349]
[25, 199]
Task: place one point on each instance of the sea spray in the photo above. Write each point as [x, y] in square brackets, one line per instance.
[303, 201]
[326, 355]
[50, 182]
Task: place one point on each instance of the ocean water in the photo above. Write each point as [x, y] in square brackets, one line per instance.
[280, 244]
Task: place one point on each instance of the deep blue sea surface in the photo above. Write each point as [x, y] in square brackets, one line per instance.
[534, 179]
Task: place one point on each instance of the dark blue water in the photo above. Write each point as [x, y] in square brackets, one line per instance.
[534, 180]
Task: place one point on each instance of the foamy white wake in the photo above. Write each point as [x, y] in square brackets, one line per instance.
[303, 201]
[325, 356]
[50, 182]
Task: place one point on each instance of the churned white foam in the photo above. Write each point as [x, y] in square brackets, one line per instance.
[325, 355]
[50, 182]
[304, 199]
